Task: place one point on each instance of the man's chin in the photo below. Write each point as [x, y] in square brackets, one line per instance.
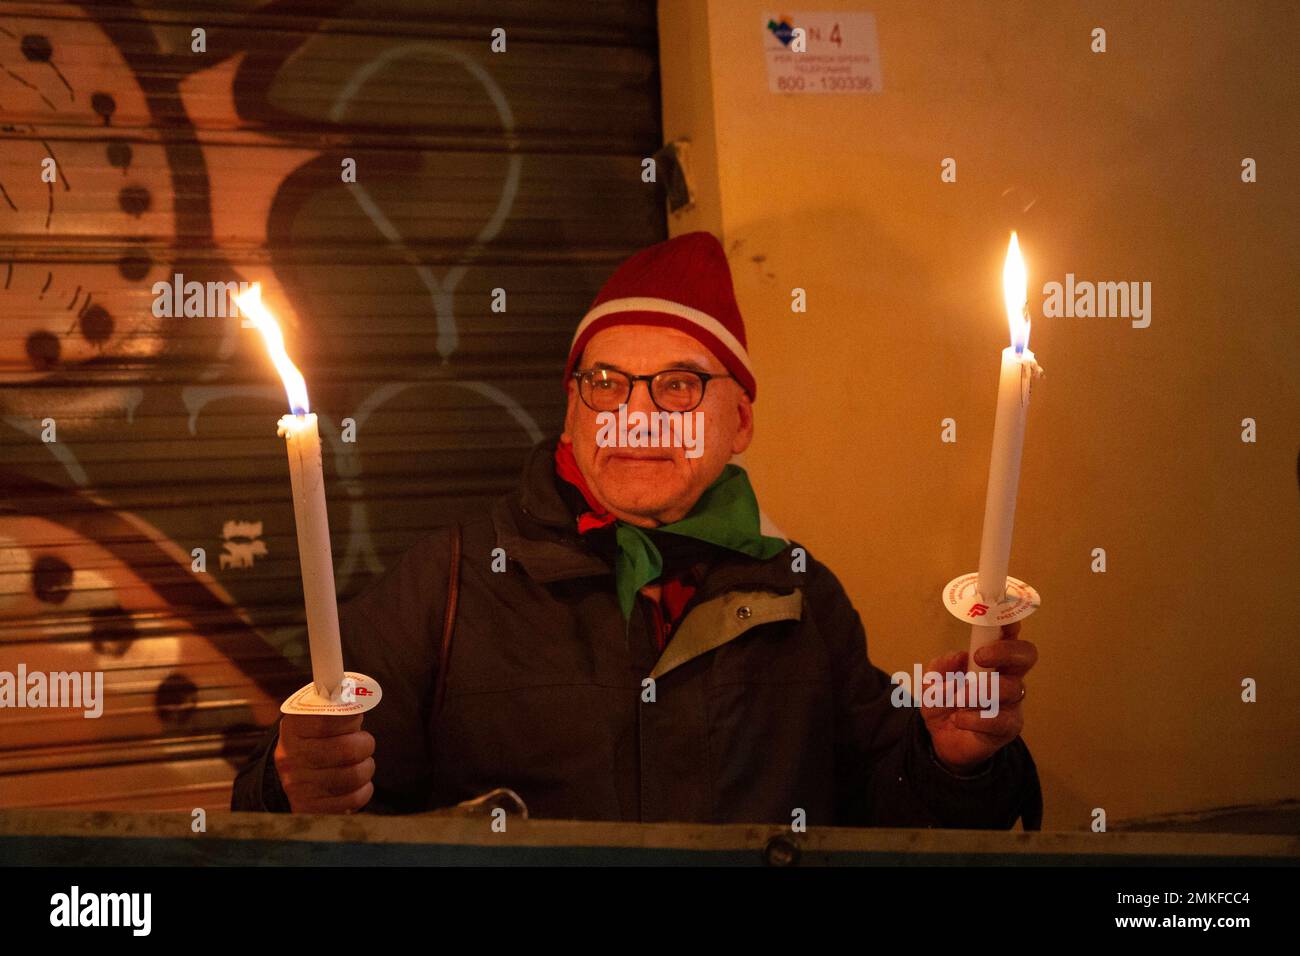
[649, 500]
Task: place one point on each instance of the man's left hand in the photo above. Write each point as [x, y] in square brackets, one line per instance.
[964, 739]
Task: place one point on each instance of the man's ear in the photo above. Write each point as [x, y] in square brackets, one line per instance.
[745, 433]
[570, 412]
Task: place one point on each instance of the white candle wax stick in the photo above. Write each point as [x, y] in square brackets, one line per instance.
[1014, 382]
[302, 438]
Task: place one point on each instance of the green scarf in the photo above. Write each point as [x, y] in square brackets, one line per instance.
[726, 515]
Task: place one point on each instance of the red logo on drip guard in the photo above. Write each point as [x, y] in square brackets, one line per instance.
[977, 610]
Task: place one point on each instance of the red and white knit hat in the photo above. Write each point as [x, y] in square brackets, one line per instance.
[684, 284]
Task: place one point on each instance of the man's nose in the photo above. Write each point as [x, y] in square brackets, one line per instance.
[640, 400]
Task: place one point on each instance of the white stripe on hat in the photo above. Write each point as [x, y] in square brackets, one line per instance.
[651, 304]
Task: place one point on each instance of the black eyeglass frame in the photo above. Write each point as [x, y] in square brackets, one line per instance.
[704, 377]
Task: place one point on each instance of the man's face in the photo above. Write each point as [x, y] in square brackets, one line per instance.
[651, 486]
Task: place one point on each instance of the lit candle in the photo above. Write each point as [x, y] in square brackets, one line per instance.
[1019, 369]
[306, 477]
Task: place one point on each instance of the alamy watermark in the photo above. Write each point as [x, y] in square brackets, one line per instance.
[651, 430]
[1104, 300]
[75, 908]
[950, 689]
[196, 300]
[75, 689]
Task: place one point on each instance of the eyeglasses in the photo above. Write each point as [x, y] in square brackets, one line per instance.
[672, 390]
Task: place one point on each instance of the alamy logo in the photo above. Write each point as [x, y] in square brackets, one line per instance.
[951, 689]
[1105, 300]
[73, 689]
[196, 300]
[652, 430]
[75, 908]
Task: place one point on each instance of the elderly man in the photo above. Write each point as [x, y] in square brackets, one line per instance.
[617, 640]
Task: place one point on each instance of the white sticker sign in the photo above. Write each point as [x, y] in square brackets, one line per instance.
[837, 53]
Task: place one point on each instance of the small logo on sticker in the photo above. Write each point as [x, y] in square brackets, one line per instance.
[782, 29]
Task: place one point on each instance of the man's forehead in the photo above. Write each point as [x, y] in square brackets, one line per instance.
[625, 345]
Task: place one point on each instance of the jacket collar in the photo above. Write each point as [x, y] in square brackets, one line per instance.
[537, 529]
[539, 498]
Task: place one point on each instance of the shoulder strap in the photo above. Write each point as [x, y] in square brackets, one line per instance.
[449, 619]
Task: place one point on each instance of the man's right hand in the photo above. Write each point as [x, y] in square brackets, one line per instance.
[325, 764]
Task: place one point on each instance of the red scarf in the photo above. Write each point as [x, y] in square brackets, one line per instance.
[566, 466]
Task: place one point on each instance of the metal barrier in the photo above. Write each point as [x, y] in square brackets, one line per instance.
[65, 838]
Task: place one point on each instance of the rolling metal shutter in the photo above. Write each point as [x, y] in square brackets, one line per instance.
[475, 171]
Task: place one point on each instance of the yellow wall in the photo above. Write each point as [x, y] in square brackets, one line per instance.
[1129, 162]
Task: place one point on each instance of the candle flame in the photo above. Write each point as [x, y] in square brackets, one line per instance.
[295, 386]
[1015, 290]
